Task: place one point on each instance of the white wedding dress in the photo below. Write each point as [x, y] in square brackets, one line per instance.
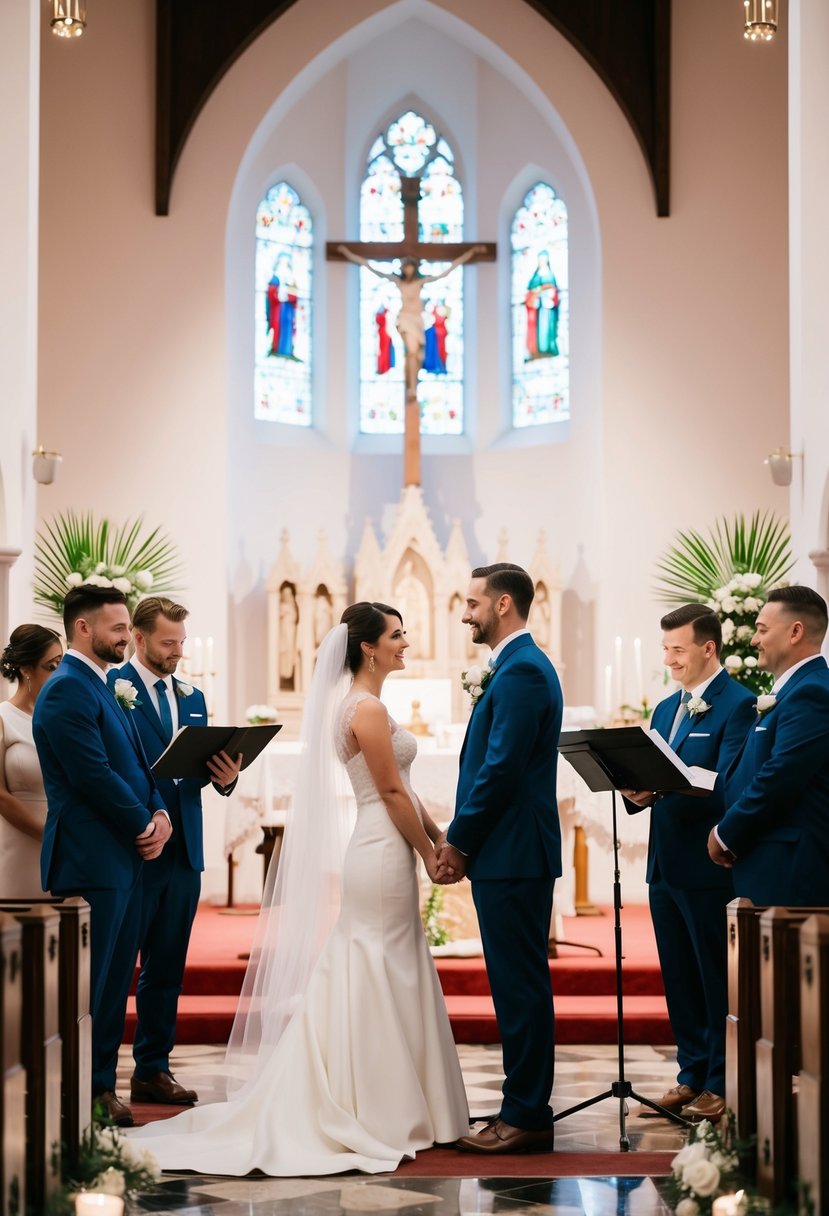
[366, 1072]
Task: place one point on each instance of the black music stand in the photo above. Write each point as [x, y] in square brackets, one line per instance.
[626, 758]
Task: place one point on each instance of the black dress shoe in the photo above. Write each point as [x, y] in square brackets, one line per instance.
[500, 1138]
[163, 1088]
[115, 1110]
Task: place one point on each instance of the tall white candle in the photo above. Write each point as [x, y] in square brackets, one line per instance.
[95, 1203]
[608, 691]
[617, 675]
[209, 656]
[197, 657]
[637, 667]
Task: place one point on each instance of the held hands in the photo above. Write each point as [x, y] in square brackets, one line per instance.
[154, 837]
[224, 771]
[451, 865]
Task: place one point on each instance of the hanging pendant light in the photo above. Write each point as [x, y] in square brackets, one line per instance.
[68, 18]
[760, 20]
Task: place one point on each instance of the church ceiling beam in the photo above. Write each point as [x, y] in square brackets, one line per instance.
[627, 45]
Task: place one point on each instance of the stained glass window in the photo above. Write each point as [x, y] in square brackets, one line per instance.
[540, 310]
[410, 146]
[282, 370]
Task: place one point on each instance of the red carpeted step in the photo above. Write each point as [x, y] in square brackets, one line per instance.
[579, 1019]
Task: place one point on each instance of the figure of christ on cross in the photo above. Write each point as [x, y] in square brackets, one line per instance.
[409, 283]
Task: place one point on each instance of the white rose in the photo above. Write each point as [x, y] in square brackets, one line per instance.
[123, 585]
[692, 1152]
[110, 1182]
[143, 579]
[752, 603]
[733, 663]
[725, 1161]
[117, 571]
[123, 688]
[149, 1163]
[753, 580]
[92, 580]
[475, 691]
[766, 701]
[728, 630]
[184, 690]
[473, 676]
[702, 1177]
[750, 661]
[730, 605]
[745, 633]
[100, 568]
[687, 1207]
[74, 579]
[104, 582]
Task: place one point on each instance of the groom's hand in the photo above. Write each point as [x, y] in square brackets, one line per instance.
[451, 859]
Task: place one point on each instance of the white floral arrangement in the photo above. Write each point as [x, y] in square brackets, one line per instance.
[705, 1169]
[257, 714]
[107, 1164]
[126, 694]
[697, 707]
[765, 702]
[475, 680]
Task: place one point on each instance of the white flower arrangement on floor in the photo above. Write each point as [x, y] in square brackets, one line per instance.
[257, 714]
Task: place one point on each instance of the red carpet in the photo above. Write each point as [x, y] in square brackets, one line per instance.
[584, 985]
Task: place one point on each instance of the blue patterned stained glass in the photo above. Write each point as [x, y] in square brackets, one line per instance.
[540, 310]
[282, 369]
[411, 146]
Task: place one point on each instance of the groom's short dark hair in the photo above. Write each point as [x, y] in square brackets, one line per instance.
[806, 604]
[85, 600]
[503, 578]
[706, 623]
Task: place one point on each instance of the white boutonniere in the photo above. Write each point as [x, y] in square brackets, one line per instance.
[475, 680]
[126, 694]
[697, 707]
[765, 702]
[184, 690]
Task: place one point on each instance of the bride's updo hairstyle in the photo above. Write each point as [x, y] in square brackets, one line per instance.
[366, 623]
[27, 646]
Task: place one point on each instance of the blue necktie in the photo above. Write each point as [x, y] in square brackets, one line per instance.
[164, 710]
[680, 715]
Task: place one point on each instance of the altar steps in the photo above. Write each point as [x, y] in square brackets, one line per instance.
[583, 984]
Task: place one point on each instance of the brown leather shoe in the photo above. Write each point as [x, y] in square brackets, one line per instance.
[499, 1137]
[115, 1109]
[706, 1106]
[673, 1101]
[163, 1088]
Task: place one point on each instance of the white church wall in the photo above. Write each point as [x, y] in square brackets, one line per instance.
[148, 394]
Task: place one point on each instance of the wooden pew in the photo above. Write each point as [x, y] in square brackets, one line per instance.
[13, 1084]
[75, 1020]
[813, 1081]
[742, 1026]
[778, 1050]
[41, 1051]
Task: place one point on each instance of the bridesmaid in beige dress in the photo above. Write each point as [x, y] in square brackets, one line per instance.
[31, 656]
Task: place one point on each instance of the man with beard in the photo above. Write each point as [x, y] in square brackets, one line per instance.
[506, 836]
[105, 813]
[170, 884]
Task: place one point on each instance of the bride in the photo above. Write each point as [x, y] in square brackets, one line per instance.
[341, 1041]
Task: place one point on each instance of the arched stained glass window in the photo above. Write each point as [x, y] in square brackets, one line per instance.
[540, 310]
[410, 147]
[282, 372]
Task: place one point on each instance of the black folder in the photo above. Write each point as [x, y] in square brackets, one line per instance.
[192, 746]
[629, 757]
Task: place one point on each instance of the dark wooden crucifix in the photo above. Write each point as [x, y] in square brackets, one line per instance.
[411, 250]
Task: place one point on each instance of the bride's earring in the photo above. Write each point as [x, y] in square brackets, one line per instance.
[371, 662]
[28, 684]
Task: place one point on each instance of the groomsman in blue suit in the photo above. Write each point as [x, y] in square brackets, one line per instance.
[106, 816]
[505, 835]
[705, 722]
[172, 883]
[774, 834]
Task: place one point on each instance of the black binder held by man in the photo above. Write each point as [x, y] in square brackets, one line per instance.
[630, 757]
[192, 746]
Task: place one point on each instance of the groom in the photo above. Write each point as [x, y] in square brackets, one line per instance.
[506, 837]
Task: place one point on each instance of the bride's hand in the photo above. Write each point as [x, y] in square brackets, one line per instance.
[437, 870]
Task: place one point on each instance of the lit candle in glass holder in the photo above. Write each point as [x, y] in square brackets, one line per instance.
[729, 1205]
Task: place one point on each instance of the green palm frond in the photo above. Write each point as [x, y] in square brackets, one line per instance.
[695, 566]
[72, 547]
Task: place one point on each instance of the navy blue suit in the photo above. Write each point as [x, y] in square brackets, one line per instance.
[171, 883]
[101, 795]
[777, 795]
[688, 893]
[506, 822]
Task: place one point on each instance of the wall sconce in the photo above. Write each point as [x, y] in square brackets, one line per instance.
[45, 466]
[68, 18]
[780, 465]
[760, 20]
